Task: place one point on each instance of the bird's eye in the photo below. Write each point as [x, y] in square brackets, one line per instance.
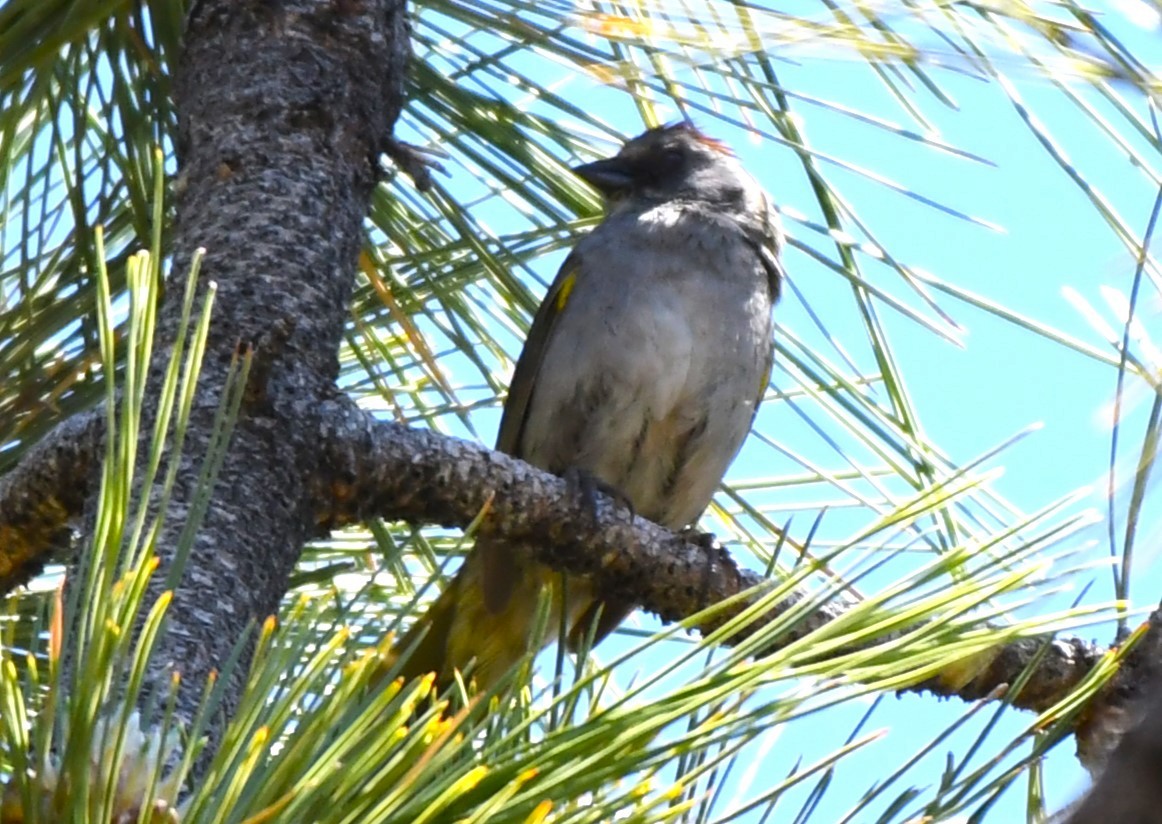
[673, 158]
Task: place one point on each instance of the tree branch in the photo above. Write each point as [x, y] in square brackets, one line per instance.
[43, 493]
[388, 470]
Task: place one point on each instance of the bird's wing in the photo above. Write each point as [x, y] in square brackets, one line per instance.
[498, 572]
[769, 246]
[528, 365]
[775, 274]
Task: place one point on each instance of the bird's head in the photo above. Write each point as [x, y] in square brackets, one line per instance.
[675, 162]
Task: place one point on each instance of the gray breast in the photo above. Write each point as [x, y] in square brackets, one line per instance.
[650, 377]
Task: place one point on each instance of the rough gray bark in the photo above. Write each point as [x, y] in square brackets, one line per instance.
[285, 109]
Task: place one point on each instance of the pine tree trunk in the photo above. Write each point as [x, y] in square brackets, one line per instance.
[285, 109]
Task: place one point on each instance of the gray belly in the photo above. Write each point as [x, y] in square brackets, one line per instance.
[653, 389]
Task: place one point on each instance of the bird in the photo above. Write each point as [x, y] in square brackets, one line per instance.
[641, 375]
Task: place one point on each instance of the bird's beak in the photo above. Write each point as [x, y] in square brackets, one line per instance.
[607, 176]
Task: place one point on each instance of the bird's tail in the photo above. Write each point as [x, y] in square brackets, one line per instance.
[459, 632]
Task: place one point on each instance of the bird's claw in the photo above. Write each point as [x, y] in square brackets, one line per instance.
[711, 549]
[694, 535]
[584, 485]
